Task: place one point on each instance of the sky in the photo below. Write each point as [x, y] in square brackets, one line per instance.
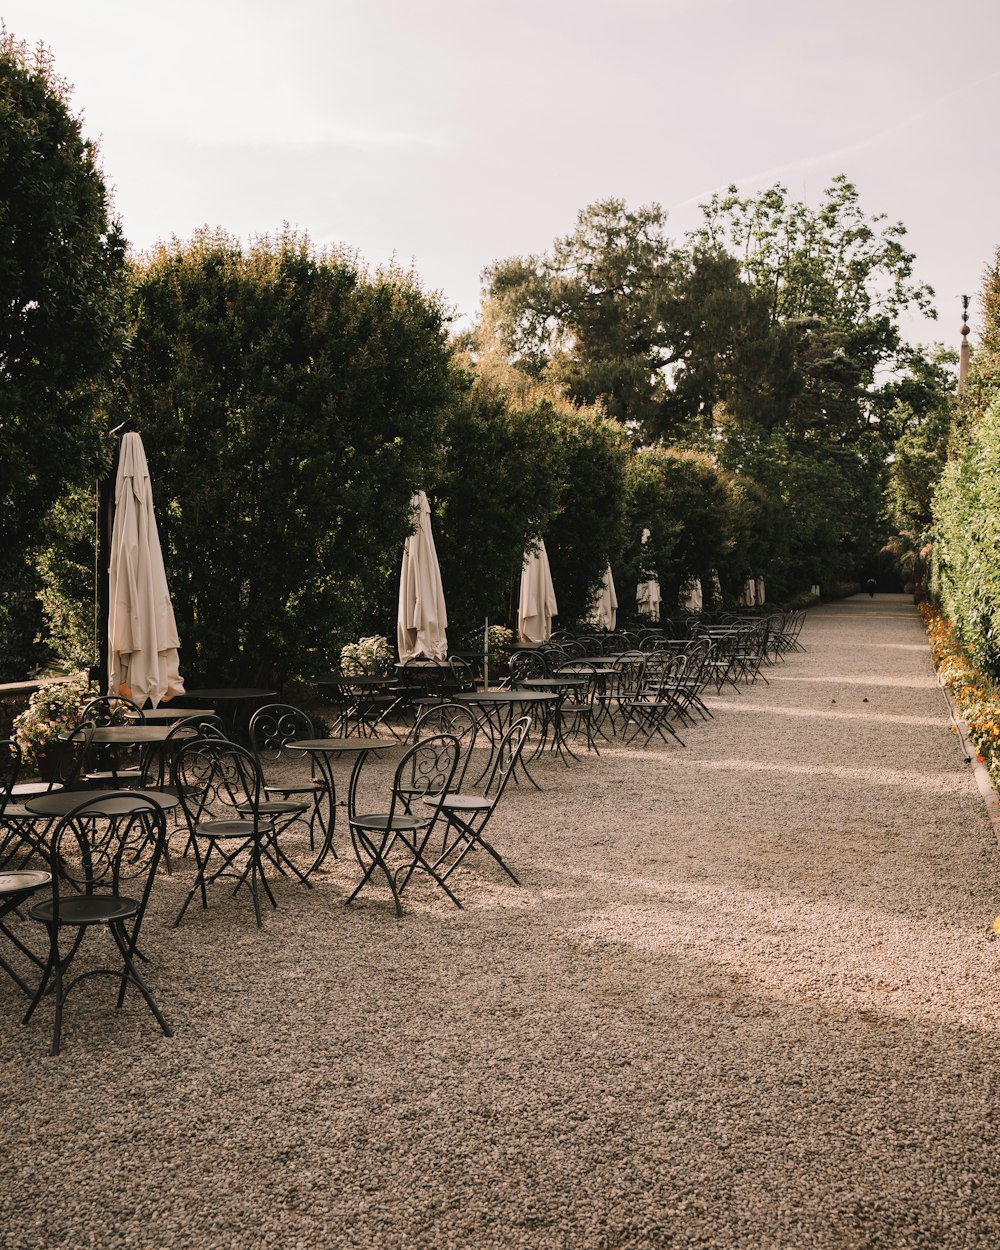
[443, 136]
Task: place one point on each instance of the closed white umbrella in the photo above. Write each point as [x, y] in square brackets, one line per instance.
[749, 593]
[694, 602]
[647, 594]
[537, 600]
[760, 592]
[422, 619]
[605, 611]
[142, 633]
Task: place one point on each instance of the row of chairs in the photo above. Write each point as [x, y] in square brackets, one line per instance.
[103, 853]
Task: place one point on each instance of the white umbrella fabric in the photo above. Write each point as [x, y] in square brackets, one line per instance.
[749, 593]
[142, 633]
[605, 611]
[647, 594]
[695, 600]
[760, 592]
[537, 599]
[422, 620]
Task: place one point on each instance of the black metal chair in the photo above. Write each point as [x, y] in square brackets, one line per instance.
[113, 766]
[393, 840]
[103, 857]
[16, 888]
[231, 828]
[273, 731]
[468, 815]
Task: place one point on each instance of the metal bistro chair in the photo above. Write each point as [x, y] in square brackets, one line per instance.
[16, 888]
[232, 829]
[273, 731]
[467, 815]
[106, 769]
[428, 767]
[103, 857]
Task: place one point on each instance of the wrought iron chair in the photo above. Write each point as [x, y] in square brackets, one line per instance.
[103, 857]
[468, 815]
[105, 768]
[273, 731]
[231, 828]
[16, 888]
[393, 841]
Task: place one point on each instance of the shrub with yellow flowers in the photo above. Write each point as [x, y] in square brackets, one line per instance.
[975, 696]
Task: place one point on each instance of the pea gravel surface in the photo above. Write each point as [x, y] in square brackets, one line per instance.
[744, 997]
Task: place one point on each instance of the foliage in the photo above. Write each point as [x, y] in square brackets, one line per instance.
[372, 655]
[502, 474]
[290, 407]
[615, 315]
[61, 322]
[966, 542]
[66, 567]
[975, 694]
[681, 498]
[53, 710]
[588, 529]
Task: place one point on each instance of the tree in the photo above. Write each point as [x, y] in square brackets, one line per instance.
[502, 474]
[681, 498]
[835, 282]
[61, 323]
[615, 315]
[289, 406]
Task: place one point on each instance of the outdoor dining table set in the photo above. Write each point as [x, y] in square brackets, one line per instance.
[74, 858]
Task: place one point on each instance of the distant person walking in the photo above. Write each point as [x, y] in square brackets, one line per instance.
[870, 585]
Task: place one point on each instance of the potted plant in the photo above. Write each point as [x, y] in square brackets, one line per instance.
[370, 656]
[52, 712]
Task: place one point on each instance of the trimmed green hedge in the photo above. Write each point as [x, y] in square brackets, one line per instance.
[965, 578]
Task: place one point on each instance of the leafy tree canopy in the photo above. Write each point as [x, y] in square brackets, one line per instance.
[61, 321]
[289, 406]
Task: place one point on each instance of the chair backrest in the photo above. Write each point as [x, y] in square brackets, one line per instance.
[508, 752]
[462, 678]
[111, 841]
[525, 665]
[451, 718]
[214, 777]
[112, 709]
[427, 768]
[274, 726]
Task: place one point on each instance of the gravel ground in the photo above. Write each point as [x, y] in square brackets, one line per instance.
[744, 998]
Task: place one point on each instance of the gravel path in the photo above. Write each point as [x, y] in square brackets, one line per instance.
[744, 999]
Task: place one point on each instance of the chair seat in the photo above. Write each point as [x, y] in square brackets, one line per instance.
[86, 909]
[31, 789]
[276, 808]
[462, 802]
[400, 823]
[23, 881]
[305, 787]
[230, 828]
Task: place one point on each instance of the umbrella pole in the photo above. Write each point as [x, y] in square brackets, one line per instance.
[105, 520]
[486, 655]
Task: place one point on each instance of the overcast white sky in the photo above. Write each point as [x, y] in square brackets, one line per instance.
[448, 134]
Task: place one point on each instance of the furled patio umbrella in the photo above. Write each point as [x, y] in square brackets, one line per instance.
[142, 634]
[695, 599]
[749, 596]
[605, 611]
[647, 594]
[537, 600]
[760, 592]
[422, 619]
